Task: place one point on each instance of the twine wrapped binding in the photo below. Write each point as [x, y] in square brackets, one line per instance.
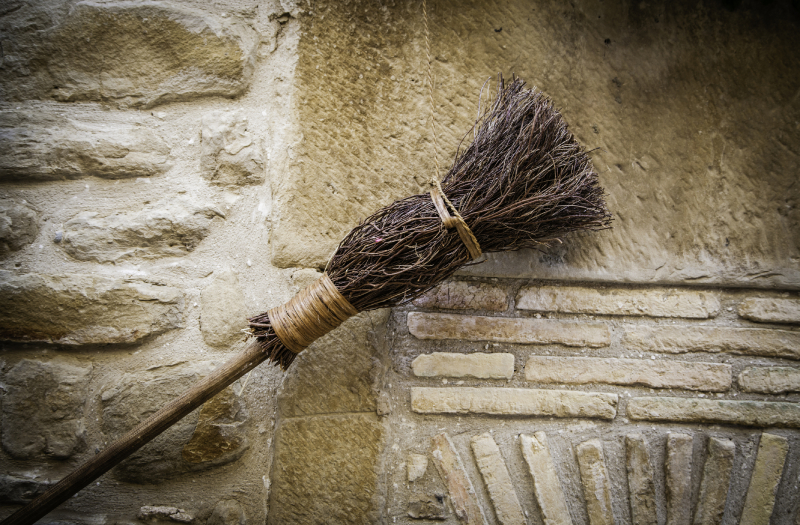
[467, 237]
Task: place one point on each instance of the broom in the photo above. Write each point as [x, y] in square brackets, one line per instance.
[522, 182]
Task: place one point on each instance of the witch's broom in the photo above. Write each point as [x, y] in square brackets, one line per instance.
[522, 182]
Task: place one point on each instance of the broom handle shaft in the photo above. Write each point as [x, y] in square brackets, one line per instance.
[135, 439]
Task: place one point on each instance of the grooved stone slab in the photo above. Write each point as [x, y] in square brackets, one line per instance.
[678, 471]
[462, 493]
[746, 341]
[450, 364]
[464, 295]
[619, 301]
[771, 310]
[596, 485]
[506, 330]
[640, 481]
[711, 377]
[497, 480]
[513, 402]
[770, 380]
[764, 481]
[715, 482]
[546, 485]
[750, 413]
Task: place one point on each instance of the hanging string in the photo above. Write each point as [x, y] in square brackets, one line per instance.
[430, 90]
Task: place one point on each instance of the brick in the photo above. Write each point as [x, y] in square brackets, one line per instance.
[596, 485]
[770, 310]
[764, 482]
[463, 295]
[546, 485]
[711, 377]
[619, 301]
[462, 493]
[681, 339]
[513, 402]
[715, 482]
[770, 380]
[678, 473]
[690, 410]
[498, 480]
[478, 365]
[640, 481]
[507, 330]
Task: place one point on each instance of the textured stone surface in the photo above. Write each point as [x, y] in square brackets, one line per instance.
[641, 489]
[43, 142]
[451, 469]
[220, 434]
[424, 507]
[417, 465]
[172, 227]
[227, 512]
[656, 374]
[223, 315]
[678, 474]
[326, 470]
[596, 485]
[81, 309]
[43, 409]
[231, 156]
[619, 301]
[465, 295]
[497, 480]
[513, 402]
[681, 339]
[161, 512]
[770, 380]
[15, 489]
[132, 53]
[767, 472]
[715, 482]
[19, 225]
[546, 485]
[770, 310]
[681, 409]
[506, 330]
[450, 364]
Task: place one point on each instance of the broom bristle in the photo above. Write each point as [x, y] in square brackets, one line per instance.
[522, 182]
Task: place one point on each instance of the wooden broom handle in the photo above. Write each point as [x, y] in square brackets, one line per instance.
[135, 439]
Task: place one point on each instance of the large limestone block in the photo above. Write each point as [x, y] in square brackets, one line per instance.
[170, 227]
[19, 225]
[42, 142]
[465, 295]
[770, 310]
[78, 309]
[134, 53]
[231, 156]
[223, 315]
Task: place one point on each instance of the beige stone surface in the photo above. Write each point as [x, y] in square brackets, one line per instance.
[682, 409]
[619, 301]
[227, 512]
[223, 315]
[497, 480]
[451, 364]
[678, 474]
[465, 295]
[417, 465]
[770, 310]
[513, 402]
[680, 339]
[641, 488]
[767, 472]
[508, 330]
[546, 484]
[596, 485]
[770, 380]
[715, 482]
[230, 155]
[220, 434]
[84, 309]
[19, 225]
[712, 377]
[162, 512]
[462, 494]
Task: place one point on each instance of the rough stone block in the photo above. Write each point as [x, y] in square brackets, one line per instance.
[513, 402]
[43, 409]
[596, 485]
[230, 154]
[19, 224]
[681, 409]
[223, 315]
[498, 480]
[20, 490]
[80, 309]
[641, 489]
[451, 469]
[416, 464]
[478, 365]
[715, 482]
[546, 485]
[506, 330]
[711, 377]
[619, 301]
[771, 310]
[227, 512]
[465, 295]
[770, 380]
[767, 472]
[155, 513]
[678, 473]
[425, 507]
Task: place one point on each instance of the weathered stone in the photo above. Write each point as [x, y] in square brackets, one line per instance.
[712, 377]
[465, 295]
[451, 469]
[641, 489]
[771, 310]
[678, 473]
[715, 482]
[546, 485]
[42, 142]
[157, 513]
[507, 330]
[497, 479]
[770, 380]
[304, 277]
[681, 409]
[619, 301]
[78, 309]
[219, 436]
[223, 315]
[325, 470]
[137, 54]
[416, 464]
[764, 481]
[172, 227]
[681, 339]
[18, 490]
[227, 512]
[423, 507]
[19, 225]
[478, 365]
[596, 485]
[513, 402]
[230, 154]
[43, 409]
